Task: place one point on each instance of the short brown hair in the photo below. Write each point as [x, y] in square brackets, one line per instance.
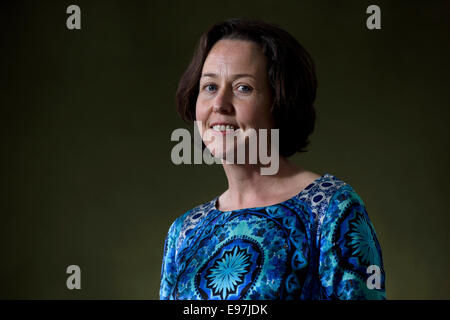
[291, 74]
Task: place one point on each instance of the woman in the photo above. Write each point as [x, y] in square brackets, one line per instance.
[294, 234]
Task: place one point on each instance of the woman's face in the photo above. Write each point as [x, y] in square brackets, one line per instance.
[234, 89]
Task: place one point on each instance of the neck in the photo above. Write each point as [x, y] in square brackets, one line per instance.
[246, 185]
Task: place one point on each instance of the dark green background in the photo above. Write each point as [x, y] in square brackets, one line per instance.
[86, 118]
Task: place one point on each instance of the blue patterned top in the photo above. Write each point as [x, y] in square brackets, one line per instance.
[320, 244]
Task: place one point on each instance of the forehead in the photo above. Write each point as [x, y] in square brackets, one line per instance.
[235, 55]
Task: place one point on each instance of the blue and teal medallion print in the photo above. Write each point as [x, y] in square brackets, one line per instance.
[231, 270]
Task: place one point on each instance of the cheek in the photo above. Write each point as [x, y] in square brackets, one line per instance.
[251, 114]
[200, 112]
[257, 115]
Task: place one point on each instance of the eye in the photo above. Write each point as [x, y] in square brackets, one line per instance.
[244, 89]
[210, 87]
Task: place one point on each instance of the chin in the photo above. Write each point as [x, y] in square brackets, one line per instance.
[218, 152]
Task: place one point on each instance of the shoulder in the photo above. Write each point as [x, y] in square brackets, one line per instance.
[344, 203]
[185, 223]
[319, 193]
[348, 247]
[327, 198]
[335, 200]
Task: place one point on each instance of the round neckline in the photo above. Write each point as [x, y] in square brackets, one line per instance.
[308, 187]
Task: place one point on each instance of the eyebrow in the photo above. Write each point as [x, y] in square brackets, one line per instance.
[235, 76]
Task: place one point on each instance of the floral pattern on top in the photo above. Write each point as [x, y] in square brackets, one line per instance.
[319, 244]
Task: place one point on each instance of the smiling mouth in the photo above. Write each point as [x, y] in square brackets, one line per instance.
[223, 127]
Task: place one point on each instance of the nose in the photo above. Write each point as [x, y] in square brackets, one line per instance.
[222, 102]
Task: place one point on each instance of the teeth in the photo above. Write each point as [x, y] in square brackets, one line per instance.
[223, 127]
